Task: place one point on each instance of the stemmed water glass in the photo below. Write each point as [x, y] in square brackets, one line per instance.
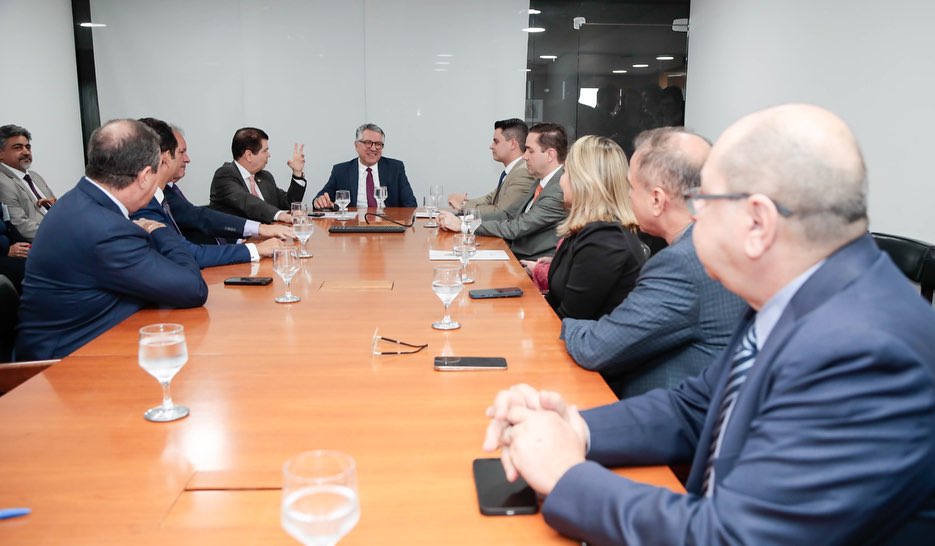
[286, 265]
[431, 207]
[465, 249]
[380, 193]
[319, 497]
[471, 219]
[298, 210]
[342, 198]
[162, 354]
[303, 228]
[447, 285]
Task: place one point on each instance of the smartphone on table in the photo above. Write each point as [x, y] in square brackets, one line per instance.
[486, 293]
[248, 281]
[460, 363]
[498, 497]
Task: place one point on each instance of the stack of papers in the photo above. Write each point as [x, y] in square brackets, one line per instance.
[482, 255]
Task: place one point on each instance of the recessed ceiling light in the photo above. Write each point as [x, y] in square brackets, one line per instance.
[665, 58]
[534, 29]
[525, 70]
[445, 55]
[641, 66]
[619, 71]
[442, 62]
[552, 57]
[441, 70]
[675, 74]
[92, 25]
[534, 11]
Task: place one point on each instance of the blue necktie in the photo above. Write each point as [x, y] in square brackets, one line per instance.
[168, 211]
[741, 362]
[500, 183]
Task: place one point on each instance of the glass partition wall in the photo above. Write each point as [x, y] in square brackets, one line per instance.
[607, 68]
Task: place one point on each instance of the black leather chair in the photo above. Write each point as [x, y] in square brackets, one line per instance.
[916, 259]
[9, 302]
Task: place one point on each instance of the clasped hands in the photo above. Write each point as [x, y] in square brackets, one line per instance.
[539, 435]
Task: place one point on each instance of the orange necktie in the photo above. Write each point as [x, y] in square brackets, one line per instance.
[538, 191]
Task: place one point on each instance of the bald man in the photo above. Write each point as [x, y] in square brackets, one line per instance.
[815, 426]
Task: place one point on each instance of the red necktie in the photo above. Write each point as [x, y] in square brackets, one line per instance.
[371, 200]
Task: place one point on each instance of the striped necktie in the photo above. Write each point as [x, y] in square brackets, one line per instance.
[742, 361]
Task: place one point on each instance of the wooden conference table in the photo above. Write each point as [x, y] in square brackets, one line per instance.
[265, 381]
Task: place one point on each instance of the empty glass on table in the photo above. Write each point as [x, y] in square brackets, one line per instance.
[430, 202]
[319, 497]
[465, 249]
[380, 193]
[342, 198]
[286, 265]
[162, 354]
[303, 228]
[298, 210]
[471, 219]
[447, 284]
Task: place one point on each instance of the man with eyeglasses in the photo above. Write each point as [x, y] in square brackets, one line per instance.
[815, 426]
[677, 318]
[369, 170]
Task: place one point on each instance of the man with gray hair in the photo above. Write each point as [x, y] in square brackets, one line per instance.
[23, 191]
[677, 318]
[90, 266]
[815, 426]
[368, 171]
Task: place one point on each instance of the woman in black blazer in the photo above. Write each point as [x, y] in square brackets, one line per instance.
[600, 256]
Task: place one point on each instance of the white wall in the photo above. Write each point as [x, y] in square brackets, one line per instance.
[867, 61]
[40, 87]
[312, 71]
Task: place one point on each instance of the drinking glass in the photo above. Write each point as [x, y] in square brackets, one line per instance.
[286, 265]
[431, 206]
[380, 193]
[342, 198]
[319, 497]
[471, 219]
[162, 354]
[465, 249]
[447, 284]
[303, 228]
[298, 210]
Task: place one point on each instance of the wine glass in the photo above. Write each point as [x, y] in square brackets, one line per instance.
[342, 198]
[447, 284]
[298, 210]
[286, 265]
[162, 354]
[471, 219]
[431, 206]
[303, 228]
[380, 193]
[465, 249]
[319, 497]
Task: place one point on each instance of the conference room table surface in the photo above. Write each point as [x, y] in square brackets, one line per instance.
[265, 381]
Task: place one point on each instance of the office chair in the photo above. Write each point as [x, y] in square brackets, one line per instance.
[9, 302]
[916, 259]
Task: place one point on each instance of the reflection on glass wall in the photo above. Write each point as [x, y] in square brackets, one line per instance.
[607, 68]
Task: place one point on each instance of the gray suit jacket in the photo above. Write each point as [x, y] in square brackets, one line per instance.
[230, 195]
[24, 214]
[669, 327]
[531, 234]
[509, 197]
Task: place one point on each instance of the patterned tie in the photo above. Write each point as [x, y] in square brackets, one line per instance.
[741, 363]
[253, 189]
[35, 192]
[168, 211]
[371, 200]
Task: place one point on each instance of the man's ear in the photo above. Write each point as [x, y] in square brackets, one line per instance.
[660, 200]
[762, 227]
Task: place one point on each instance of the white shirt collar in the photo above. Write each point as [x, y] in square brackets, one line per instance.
[159, 195]
[512, 164]
[361, 168]
[244, 173]
[123, 209]
[545, 179]
[19, 174]
[772, 310]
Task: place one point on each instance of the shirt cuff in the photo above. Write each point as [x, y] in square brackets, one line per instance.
[254, 255]
[278, 214]
[251, 229]
[299, 181]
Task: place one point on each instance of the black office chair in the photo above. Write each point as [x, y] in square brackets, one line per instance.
[9, 302]
[916, 259]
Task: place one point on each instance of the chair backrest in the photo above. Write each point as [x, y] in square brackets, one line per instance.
[9, 302]
[916, 259]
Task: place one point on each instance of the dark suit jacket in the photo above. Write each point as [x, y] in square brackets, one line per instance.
[205, 255]
[831, 440]
[669, 327]
[202, 224]
[90, 268]
[392, 175]
[593, 270]
[12, 268]
[229, 194]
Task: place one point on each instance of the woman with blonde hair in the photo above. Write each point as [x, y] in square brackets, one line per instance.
[600, 255]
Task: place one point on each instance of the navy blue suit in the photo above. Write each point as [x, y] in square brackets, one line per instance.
[202, 224]
[831, 440]
[392, 172]
[205, 255]
[90, 268]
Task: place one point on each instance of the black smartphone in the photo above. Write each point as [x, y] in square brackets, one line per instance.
[248, 281]
[316, 214]
[484, 293]
[458, 363]
[498, 497]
